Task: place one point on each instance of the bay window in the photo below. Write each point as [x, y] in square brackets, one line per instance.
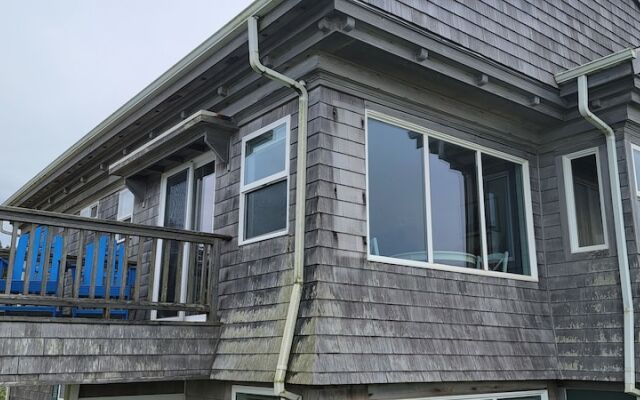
[440, 202]
[264, 183]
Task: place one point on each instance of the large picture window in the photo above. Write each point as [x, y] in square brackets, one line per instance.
[585, 211]
[528, 395]
[264, 183]
[437, 201]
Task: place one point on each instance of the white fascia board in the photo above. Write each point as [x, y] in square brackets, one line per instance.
[596, 65]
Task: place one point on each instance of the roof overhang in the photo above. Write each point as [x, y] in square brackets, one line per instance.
[215, 130]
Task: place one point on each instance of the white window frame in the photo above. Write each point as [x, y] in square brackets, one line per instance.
[544, 395]
[634, 148]
[261, 391]
[95, 204]
[122, 218]
[190, 166]
[429, 133]
[266, 181]
[571, 203]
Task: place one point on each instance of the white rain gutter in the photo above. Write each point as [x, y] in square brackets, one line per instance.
[616, 198]
[301, 184]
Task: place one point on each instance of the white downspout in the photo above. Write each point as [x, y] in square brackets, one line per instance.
[301, 184]
[621, 241]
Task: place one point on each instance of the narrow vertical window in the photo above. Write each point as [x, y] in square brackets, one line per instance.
[585, 210]
[264, 183]
[635, 150]
[397, 212]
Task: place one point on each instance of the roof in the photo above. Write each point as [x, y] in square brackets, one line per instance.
[538, 38]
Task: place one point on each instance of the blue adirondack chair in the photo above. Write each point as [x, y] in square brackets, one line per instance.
[36, 271]
[117, 265]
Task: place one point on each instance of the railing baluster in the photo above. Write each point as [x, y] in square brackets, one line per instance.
[109, 270]
[136, 285]
[204, 279]
[152, 269]
[79, 263]
[94, 263]
[45, 261]
[179, 270]
[63, 263]
[30, 255]
[164, 267]
[12, 258]
[125, 266]
[213, 281]
[191, 272]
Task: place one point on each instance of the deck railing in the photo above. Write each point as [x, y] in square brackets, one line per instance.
[69, 266]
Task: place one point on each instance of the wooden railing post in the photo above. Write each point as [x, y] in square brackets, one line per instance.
[213, 281]
[12, 258]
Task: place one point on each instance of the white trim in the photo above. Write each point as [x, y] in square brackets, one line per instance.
[95, 204]
[490, 396]
[526, 187]
[634, 148]
[190, 166]
[483, 217]
[571, 203]
[171, 396]
[268, 180]
[262, 391]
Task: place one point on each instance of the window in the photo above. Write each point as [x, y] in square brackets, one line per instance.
[125, 209]
[436, 201]
[125, 205]
[252, 393]
[528, 395]
[90, 211]
[187, 201]
[583, 394]
[635, 152]
[585, 211]
[264, 183]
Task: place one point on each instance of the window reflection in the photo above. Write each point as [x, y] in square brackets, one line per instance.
[397, 210]
[454, 205]
[505, 216]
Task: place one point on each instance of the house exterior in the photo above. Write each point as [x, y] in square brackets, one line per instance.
[467, 228]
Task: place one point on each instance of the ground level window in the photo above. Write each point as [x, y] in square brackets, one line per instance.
[252, 393]
[585, 211]
[528, 395]
[635, 151]
[441, 202]
[581, 394]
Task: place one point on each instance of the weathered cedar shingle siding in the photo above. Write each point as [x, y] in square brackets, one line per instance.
[364, 322]
[255, 278]
[538, 38]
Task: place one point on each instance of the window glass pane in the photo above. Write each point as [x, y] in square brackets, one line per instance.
[242, 396]
[454, 205]
[523, 398]
[575, 394]
[265, 155]
[586, 193]
[266, 210]
[636, 166]
[175, 216]
[505, 217]
[204, 187]
[397, 222]
[125, 204]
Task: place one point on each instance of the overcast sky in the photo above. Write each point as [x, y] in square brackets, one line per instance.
[66, 65]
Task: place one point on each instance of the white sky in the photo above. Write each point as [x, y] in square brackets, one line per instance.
[66, 65]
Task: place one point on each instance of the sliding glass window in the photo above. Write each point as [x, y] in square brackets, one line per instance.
[441, 202]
